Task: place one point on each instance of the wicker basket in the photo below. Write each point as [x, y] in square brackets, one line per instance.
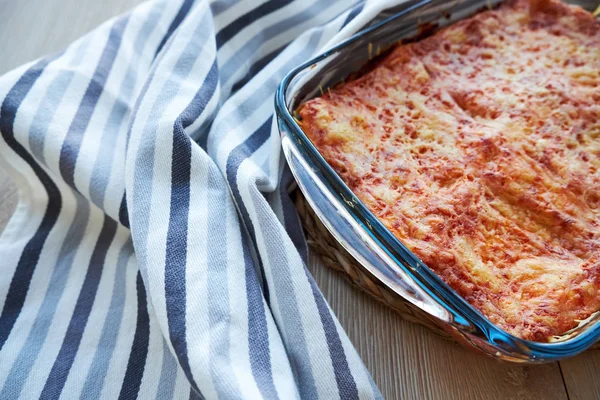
[337, 258]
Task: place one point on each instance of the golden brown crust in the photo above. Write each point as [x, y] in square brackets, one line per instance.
[479, 148]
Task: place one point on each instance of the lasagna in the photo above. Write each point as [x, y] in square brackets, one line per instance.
[478, 147]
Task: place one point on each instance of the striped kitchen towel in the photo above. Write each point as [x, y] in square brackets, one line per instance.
[154, 252]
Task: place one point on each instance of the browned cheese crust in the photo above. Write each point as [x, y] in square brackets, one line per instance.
[479, 148]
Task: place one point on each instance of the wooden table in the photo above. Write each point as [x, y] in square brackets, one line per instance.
[407, 362]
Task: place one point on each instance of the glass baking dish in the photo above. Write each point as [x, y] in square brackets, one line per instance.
[358, 230]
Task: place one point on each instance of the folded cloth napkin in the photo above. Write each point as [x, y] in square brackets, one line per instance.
[155, 252]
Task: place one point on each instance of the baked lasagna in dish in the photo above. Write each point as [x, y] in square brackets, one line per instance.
[478, 147]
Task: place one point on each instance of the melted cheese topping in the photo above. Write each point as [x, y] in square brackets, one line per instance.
[479, 148]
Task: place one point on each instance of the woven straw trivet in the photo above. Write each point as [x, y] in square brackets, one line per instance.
[337, 258]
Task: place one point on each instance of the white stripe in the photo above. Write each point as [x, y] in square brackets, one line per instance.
[275, 155]
[196, 276]
[267, 157]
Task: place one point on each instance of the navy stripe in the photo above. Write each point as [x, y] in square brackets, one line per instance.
[353, 13]
[343, 377]
[72, 143]
[62, 365]
[176, 251]
[258, 334]
[201, 98]
[218, 7]
[194, 395]
[123, 214]
[256, 68]
[19, 285]
[243, 151]
[183, 10]
[291, 221]
[225, 34]
[139, 349]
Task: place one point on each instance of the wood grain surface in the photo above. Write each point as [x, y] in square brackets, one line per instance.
[407, 362]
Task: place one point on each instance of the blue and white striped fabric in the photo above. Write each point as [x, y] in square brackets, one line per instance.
[154, 252]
